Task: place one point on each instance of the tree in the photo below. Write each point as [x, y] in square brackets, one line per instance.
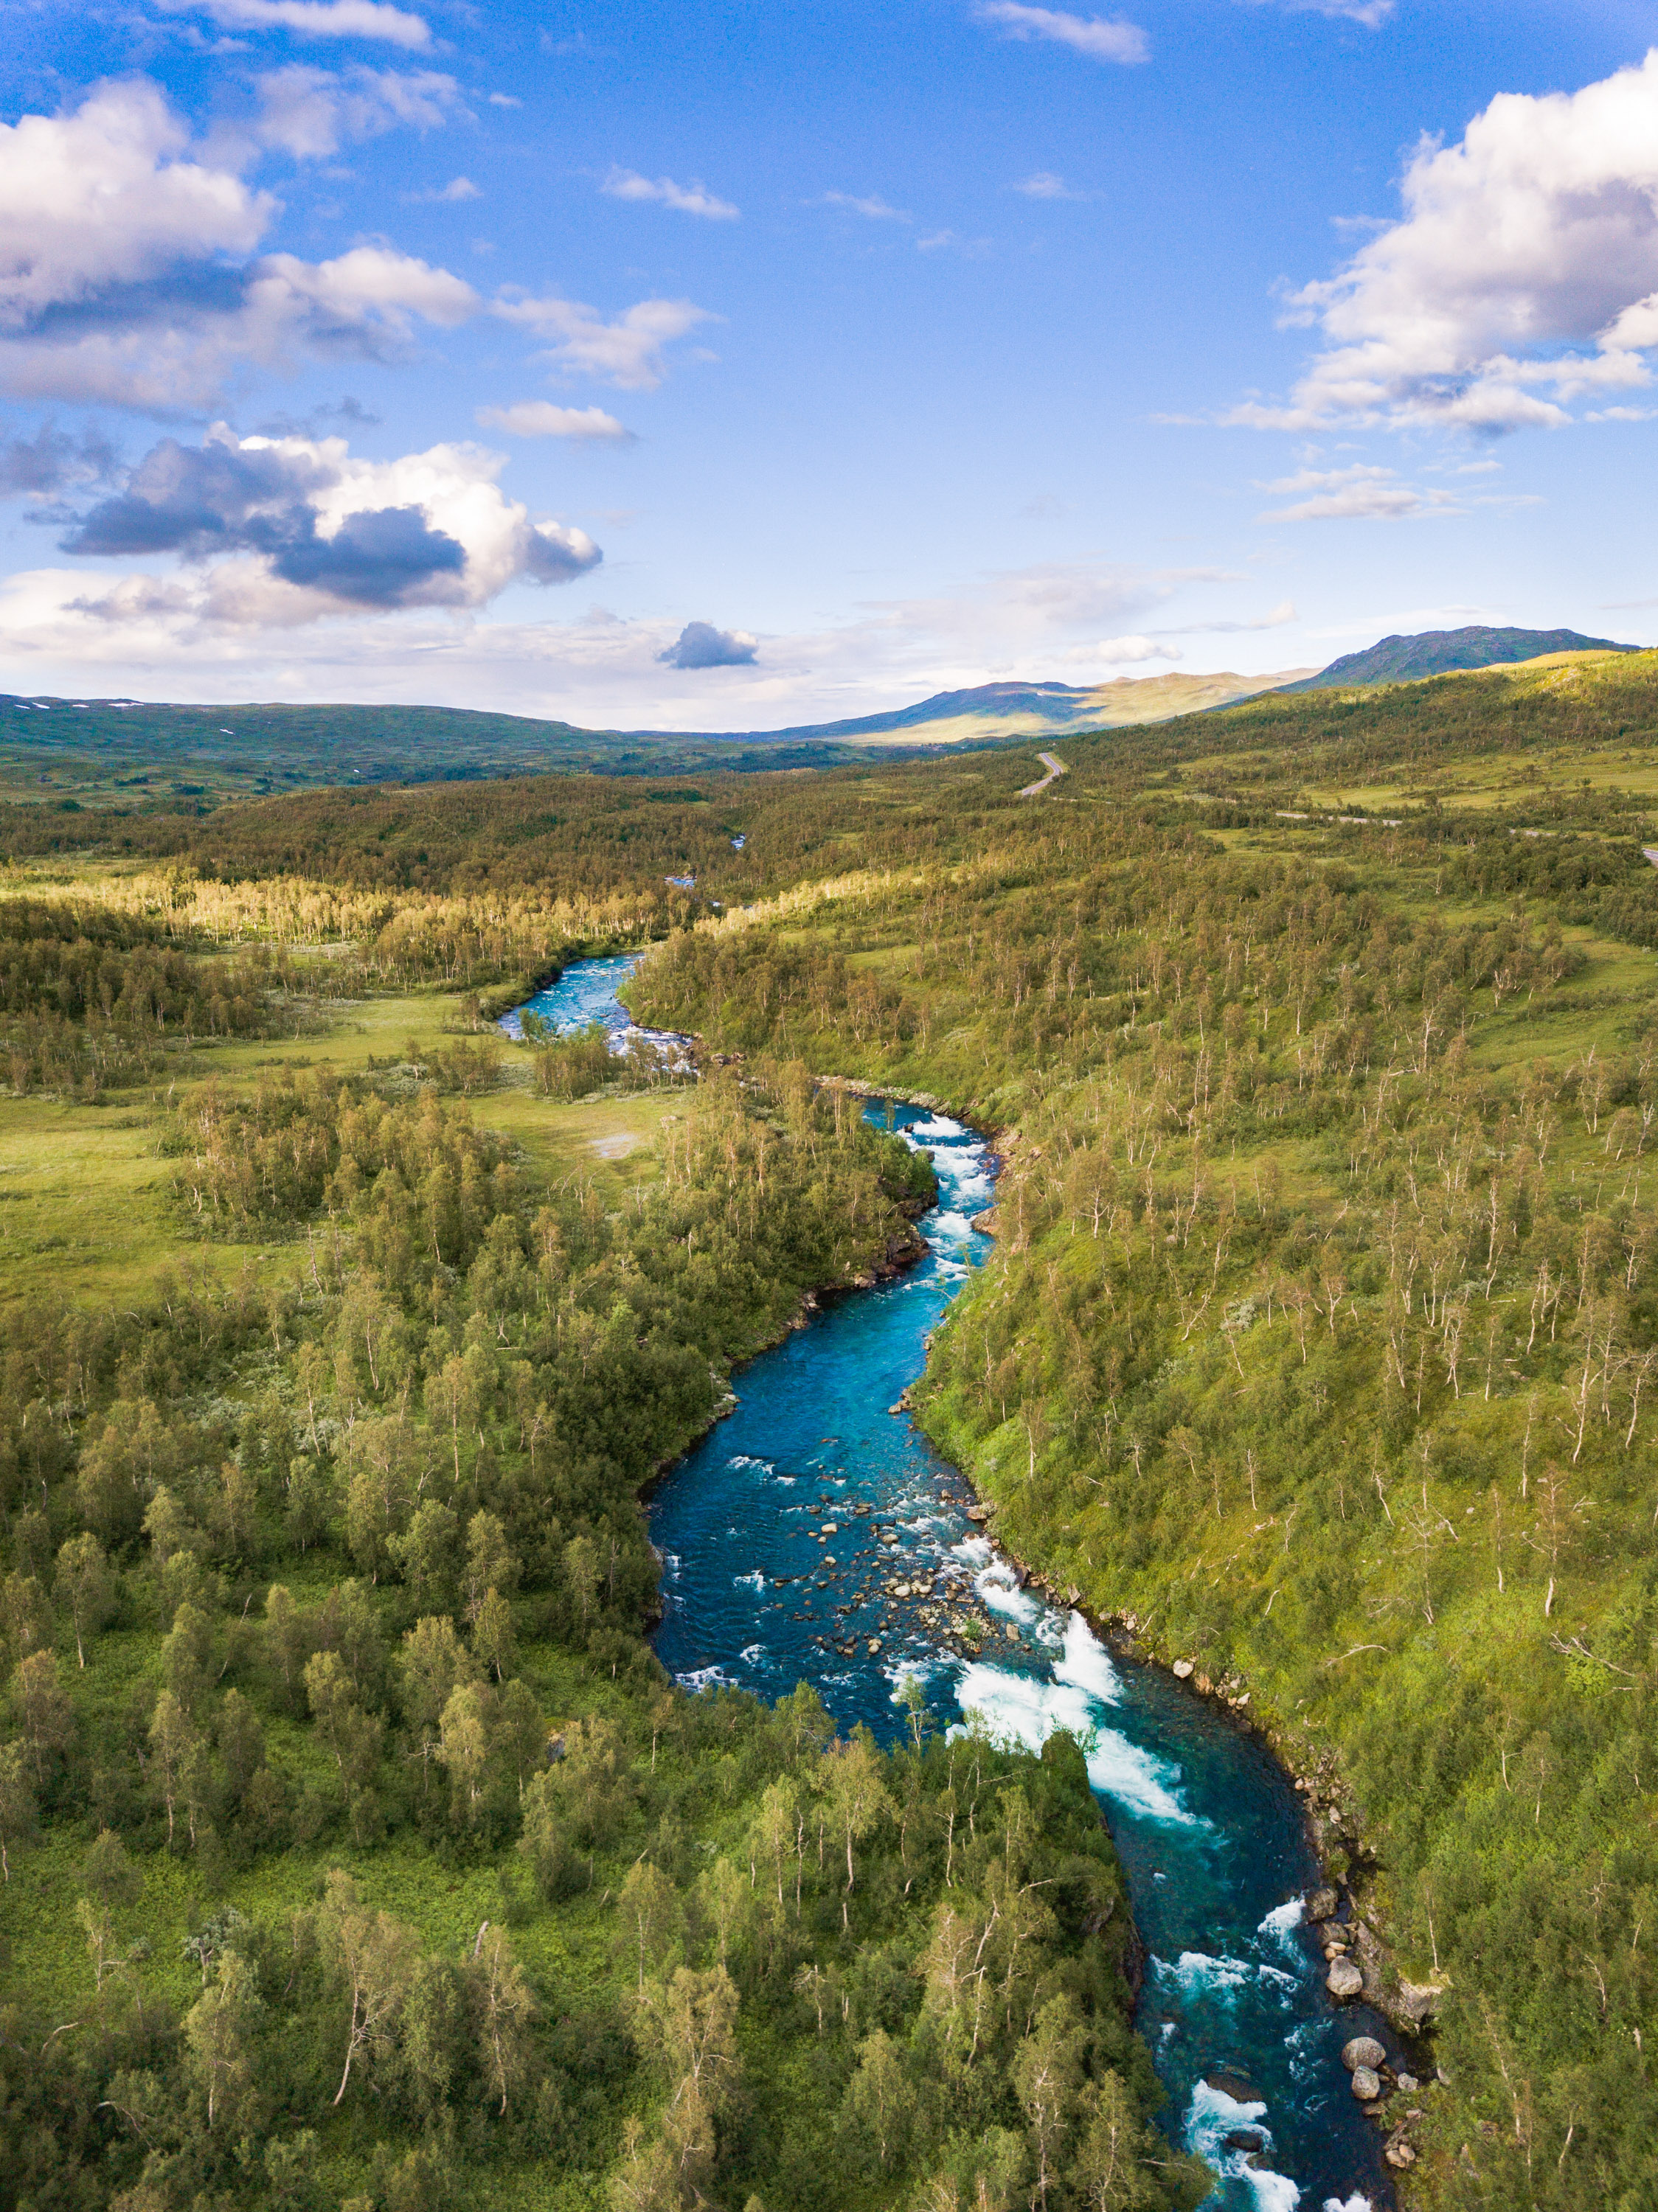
[432, 1661]
[85, 1586]
[287, 1639]
[850, 1777]
[506, 2008]
[463, 1750]
[879, 2106]
[176, 1746]
[46, 1717]
[651, 1916]
[19, 1819]
[1047, 2072]
[492, 1634]
[491, 1564]
[424, 1554]
[218, 2030]
[371, 1957]
[25, 1616]
[1121, 2166]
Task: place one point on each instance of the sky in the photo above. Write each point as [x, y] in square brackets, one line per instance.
[732, 367]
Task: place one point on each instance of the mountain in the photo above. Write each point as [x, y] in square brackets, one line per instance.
[1443, 651]
[992, 711]
[136, 752]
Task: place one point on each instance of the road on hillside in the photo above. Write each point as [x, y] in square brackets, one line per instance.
[1054, 766]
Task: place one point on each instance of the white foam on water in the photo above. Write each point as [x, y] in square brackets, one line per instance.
[764, 1466]
[940, 1125]
[1355, 2202]
[1274, 2192]
[670, 1564]
[1198, 1969]
[950, 1225]
[999, 1591]
[752, 1653]
[754, 1580]
[1283, 1920]
[704, 1678]
[1088, 1663]
[1211, 2117]
[1029, 1708]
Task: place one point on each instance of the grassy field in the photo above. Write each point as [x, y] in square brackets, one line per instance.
[86, 1204]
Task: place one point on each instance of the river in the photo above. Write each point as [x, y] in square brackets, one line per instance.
[815, 1535]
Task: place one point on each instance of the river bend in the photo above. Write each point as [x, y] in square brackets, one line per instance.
[815, 1535]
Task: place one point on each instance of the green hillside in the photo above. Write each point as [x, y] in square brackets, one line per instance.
[1440, 651]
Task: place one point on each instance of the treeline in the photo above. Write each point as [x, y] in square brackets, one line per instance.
[90, 996]
[350, 1560]
[1321, 1339]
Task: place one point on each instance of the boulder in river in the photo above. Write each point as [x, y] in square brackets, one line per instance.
[1244, 2139]
[1367, 2084]
[1363, 2051]
[1344, 1980]
[1183, 1670]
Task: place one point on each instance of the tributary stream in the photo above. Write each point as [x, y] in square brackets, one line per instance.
[814, 1535]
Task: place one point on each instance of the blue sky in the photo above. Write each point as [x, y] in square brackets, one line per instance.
[726, 367]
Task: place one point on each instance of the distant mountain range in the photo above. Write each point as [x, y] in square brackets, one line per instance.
[990, 711]
[148, 753]
[1444, 652]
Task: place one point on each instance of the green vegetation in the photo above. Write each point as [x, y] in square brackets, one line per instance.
[1320, 1342]
[355, 1848]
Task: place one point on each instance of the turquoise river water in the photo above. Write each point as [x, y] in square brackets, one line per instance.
[816, 1535]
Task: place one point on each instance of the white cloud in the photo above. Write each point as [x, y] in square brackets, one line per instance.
[1372, 14]
[868, 204]
[539, 418]
[1103, 41]
[275, 532]
[312, 112]
[126, 280]
[313, 19]
[1522, 278]
[595, 668]
[627, 352]
[109, 195]
[690, 199]
[457, 189]
[1356, 494]
[1045, 186]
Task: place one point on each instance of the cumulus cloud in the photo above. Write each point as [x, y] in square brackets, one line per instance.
[289, 529]
[1522, 278]
[690, 199]
[1101, 39]
[126, 275]
[312, 112]
[699, 645]
[313, 19]
[540, 418]
[626, 352]
[1045, 185]
[52, 461]
[1356, 494]
[868, 204]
